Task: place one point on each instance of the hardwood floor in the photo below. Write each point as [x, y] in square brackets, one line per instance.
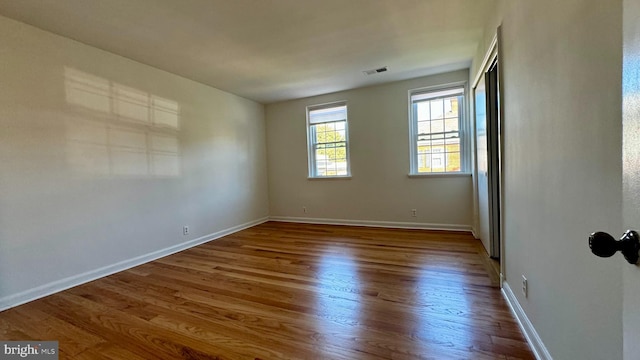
[288, 291]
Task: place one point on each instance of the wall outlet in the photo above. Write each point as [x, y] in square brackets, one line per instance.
[525, 287]
[414, 212]
[185, 230]
[304, 209]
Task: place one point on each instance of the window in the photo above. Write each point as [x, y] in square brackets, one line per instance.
[328, 140]
[437, 134]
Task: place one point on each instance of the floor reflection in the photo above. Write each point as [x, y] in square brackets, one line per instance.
[338, 299]
[437, 304]
[118, 130]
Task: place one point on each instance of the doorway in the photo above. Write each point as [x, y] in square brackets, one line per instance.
[488, 117]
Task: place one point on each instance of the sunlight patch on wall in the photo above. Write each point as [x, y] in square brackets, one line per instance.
[118, 130]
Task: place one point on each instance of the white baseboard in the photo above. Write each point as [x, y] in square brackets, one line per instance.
[530, 333]
[72, 281]
[369, 223]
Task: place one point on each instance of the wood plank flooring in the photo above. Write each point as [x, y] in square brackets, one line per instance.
[288, 291]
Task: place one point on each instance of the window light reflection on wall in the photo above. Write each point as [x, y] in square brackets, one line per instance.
[120, 131]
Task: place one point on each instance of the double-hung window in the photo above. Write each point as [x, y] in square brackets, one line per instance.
[437, 135]
[328, 140]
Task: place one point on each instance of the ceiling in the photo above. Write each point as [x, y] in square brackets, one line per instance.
[272, 50]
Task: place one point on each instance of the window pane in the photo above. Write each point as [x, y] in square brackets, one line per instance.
[453, 154]
[331, 168]
[424, 127]
[341, 167]
[438, 148]
[451, 107]
[331, 136]
[424, 163]
[451, 124]
[321, 162]
[437, 126]
[423, 110]
[453, 161]
[437, 121]
[331, 159]
[424, 146]
[327, 133]
[331, 154]
[320, 135]
[437, 109]
[452, 143]
[437, 162]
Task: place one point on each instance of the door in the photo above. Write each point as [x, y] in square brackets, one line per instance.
[487, 120]
[482, 164]
[631, 171]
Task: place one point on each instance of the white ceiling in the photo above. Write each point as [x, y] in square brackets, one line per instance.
[272, 50]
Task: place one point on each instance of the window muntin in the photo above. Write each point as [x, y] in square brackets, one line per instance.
[328, 139]
[437, 136]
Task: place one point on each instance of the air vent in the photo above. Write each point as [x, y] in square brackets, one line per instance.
[376, 71]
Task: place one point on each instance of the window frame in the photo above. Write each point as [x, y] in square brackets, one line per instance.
[311, 144]
[463, 129]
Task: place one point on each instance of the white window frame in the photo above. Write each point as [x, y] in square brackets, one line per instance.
[463, 126]
[313, 174]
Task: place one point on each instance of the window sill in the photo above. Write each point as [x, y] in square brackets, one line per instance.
[438, 175]
[346, 177]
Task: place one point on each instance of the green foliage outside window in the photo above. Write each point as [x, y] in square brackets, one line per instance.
[331, 141]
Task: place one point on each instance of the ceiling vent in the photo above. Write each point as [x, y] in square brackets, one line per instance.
[376, 71]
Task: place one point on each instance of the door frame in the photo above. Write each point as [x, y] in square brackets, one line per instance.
[492, 57]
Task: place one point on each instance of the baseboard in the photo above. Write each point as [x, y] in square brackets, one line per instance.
[369, 223]
[67, 283]
[530, 333]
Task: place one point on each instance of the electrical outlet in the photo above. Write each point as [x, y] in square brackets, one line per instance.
[414, 212]
[304, 209]
[185, 230]
[525, 287]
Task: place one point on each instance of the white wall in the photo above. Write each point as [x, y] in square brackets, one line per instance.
[83, 187]
[380, 190]
[562, 169]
